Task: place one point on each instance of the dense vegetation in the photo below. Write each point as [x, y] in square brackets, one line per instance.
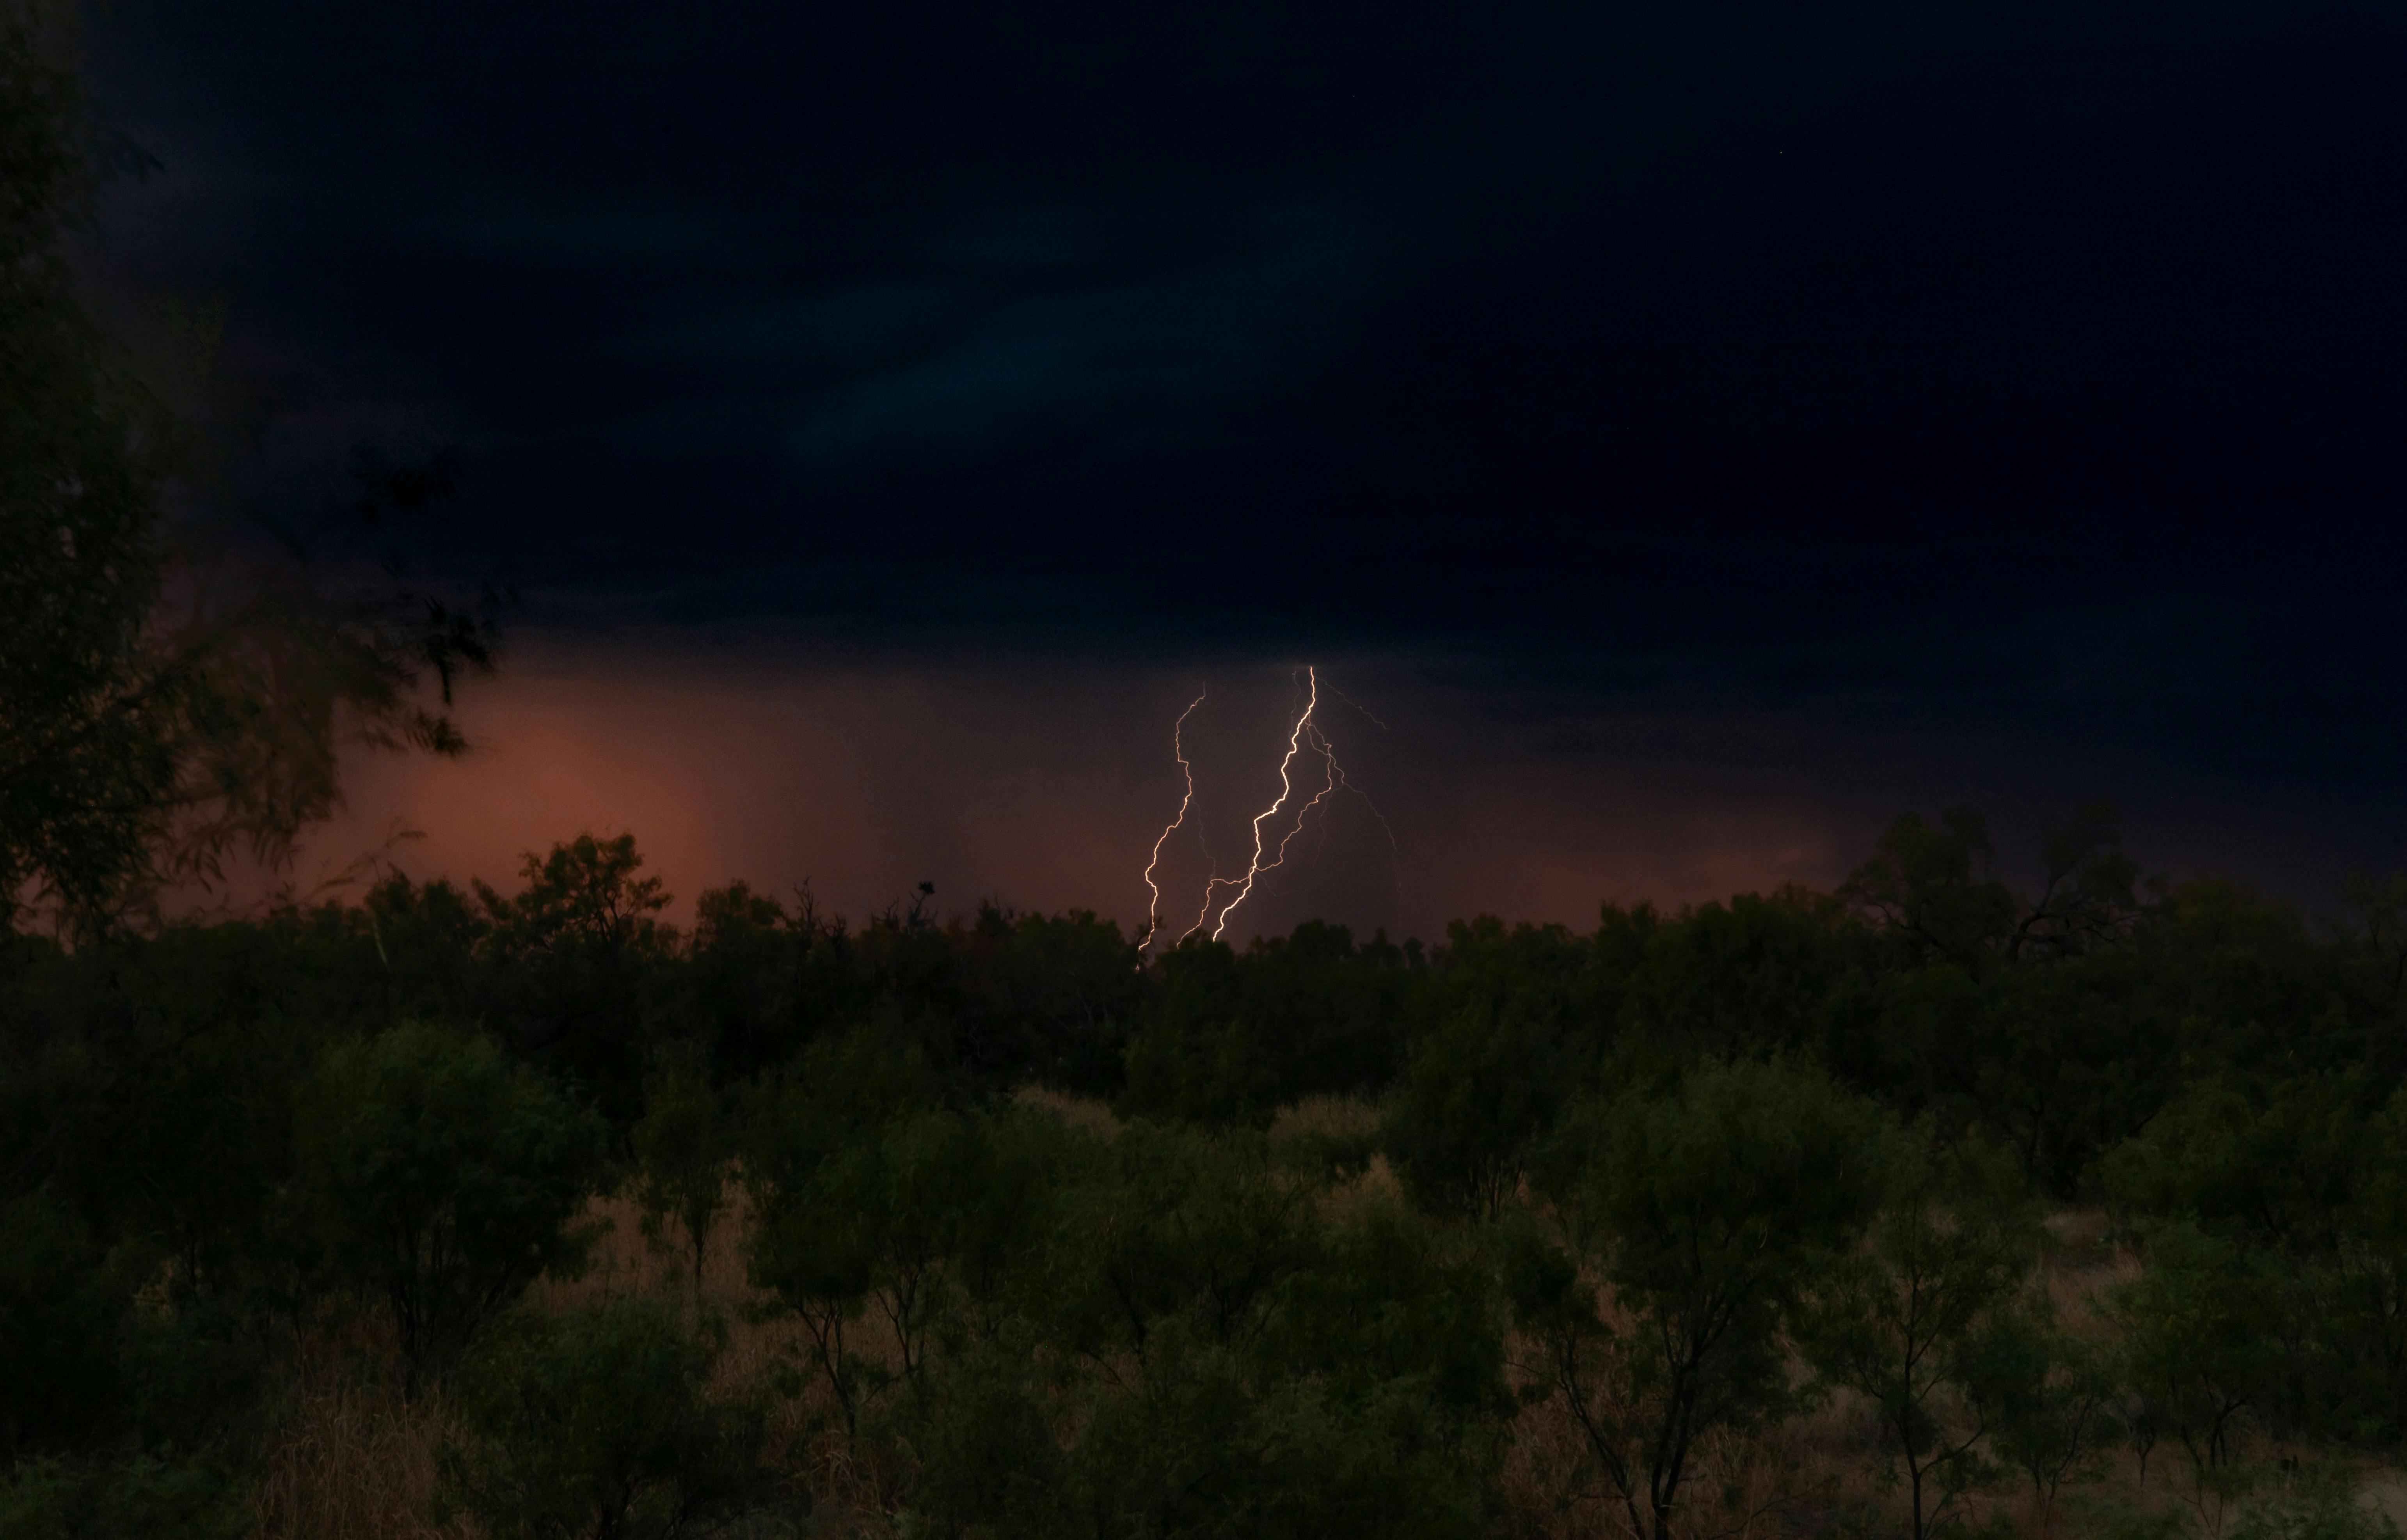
[2065, 1208]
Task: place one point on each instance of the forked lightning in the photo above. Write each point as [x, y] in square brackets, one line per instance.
[1305, 734]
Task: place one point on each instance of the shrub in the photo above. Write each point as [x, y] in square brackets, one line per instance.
[140, 1498]
[59, 1323]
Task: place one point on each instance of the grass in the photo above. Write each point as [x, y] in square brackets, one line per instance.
[350, 1459]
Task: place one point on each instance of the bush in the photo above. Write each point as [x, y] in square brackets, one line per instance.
[141, 1498]
[2313, 1503]
[59, 1323]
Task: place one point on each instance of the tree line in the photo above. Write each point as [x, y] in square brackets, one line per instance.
[1298, 1236]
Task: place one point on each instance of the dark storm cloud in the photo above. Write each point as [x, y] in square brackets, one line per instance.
[1938, 370]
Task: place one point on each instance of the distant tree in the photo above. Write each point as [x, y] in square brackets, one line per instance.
[1931, 887]
[2057, 1062]
[1760, 974]
[1237, 1035]
[1058, 996]
[574, 953]
[584, 894]
[2088, 893]
[1535, 973]
[742, 980]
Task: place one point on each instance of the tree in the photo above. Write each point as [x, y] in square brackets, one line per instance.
[60, 1322]
[1918, 1323]
[2292, 1174]
[2055, 1061]
[141, 1495]
[2047, 1399]
[1476, 1094]
[584, 895]
[812, 1240]
[1178, 1231]
[2378, 1254]
[574, 951]
[740, 978]
[1199, 1342]
[1931, 887]
[2201, 1343]
[153, 724]
[444, 1179]
[1758, 975]
[1704, 1210]
[682, 1151]
[89, 715]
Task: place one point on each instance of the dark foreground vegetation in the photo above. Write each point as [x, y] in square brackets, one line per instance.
[1923, 1206]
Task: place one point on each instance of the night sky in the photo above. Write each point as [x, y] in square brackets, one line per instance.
[1699, 432]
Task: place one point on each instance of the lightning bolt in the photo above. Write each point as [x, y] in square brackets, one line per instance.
[1178, 752]
[1331, 778]
[1304, 736]
[1359, 706]
[1337, 774]
[1212, 879]
[1287, 789]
